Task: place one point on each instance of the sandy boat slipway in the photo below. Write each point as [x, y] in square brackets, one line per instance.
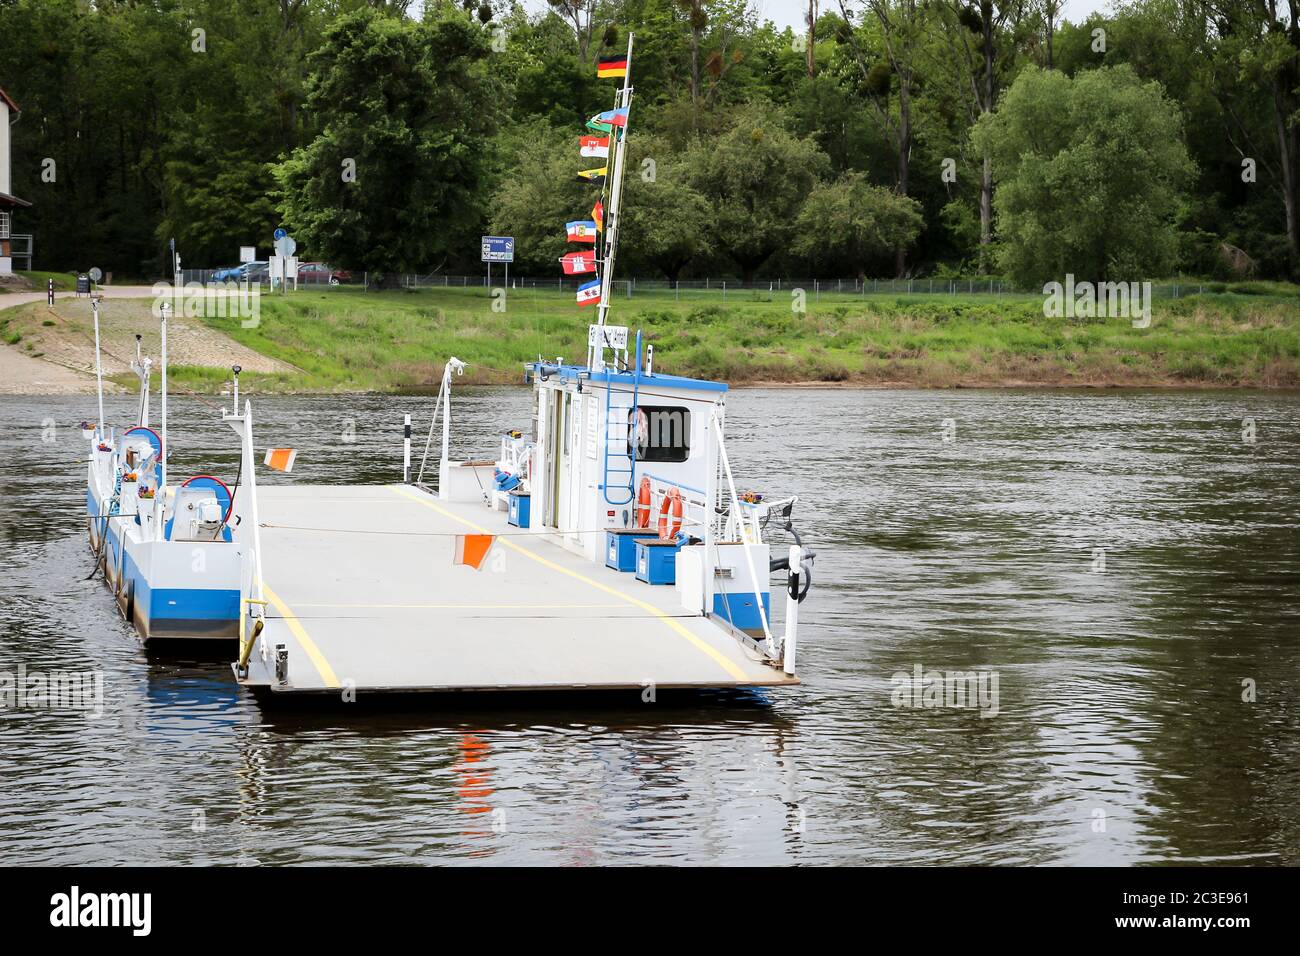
[605, 546]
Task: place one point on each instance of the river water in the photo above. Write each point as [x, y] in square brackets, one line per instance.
[1124, 564]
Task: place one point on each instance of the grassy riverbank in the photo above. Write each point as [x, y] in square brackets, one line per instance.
[351, 340]
[355, 340]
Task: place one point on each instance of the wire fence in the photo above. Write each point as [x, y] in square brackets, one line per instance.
[632, 287]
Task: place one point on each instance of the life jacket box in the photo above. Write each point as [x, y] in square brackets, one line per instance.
[620, 547]
[656, 560]
[518, 510]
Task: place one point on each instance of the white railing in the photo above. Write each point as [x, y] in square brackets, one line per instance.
[748, 538]
[443, 405]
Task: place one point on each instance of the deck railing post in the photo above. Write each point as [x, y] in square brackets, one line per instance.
[406, 451]
[788, 646]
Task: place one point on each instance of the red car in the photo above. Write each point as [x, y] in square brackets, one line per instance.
[310, 273]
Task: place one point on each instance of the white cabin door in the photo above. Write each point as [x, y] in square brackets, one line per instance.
[564, 458]
[577, 428]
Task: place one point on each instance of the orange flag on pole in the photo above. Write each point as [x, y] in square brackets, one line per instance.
[472, 549]
[281, 459]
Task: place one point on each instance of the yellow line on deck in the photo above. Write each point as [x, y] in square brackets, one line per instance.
[295, 627]
[469, 607]
[663, 615]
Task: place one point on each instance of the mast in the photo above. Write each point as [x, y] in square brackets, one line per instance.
[616, 190]
[162, 484]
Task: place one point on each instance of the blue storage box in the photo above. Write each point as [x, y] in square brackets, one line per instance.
[517, 508]
[741, 610]
[656, 560]
[620, 547]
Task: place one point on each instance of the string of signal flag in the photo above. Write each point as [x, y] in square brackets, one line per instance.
[595, 145]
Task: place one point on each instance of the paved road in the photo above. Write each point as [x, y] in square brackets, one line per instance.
[20, 374]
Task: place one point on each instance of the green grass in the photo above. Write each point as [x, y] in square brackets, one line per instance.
[353, 340]
[63, 281]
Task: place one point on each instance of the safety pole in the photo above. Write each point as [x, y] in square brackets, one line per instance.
[792, 609]
[99, 366]
[163, 483]
[406, 451]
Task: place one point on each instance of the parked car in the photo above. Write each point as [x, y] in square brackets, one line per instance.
[320, 273]
[244, 272]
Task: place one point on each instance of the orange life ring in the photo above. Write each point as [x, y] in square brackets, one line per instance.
[673, 500]
[643, 504]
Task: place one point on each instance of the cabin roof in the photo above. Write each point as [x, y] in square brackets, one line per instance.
[10, 100]
[570, 373]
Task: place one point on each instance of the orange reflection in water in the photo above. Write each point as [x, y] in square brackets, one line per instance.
[475, 776]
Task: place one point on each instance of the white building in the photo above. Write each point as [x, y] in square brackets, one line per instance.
[11, 246]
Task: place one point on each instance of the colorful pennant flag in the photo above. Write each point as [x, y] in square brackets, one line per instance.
[576, 263]
[595, 124]
[612, 66]
[581, 230]
[616, 117]
[598, 215]
[281, 459]
[589, 292]
[594, 147]
[472, 549]
[593, 176]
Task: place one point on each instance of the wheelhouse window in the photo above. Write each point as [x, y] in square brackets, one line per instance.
[663, 432]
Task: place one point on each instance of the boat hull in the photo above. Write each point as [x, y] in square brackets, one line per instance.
[172, 590]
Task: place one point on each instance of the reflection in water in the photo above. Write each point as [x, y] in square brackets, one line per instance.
[1123, 561]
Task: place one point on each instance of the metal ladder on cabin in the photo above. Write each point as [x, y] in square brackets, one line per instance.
[621, 479]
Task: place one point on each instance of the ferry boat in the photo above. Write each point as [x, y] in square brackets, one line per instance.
[607, 545]
[172, 554]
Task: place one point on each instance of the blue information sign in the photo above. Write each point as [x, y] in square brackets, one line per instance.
[498, 248]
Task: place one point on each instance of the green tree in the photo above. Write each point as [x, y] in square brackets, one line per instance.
[849, 223]
[1090, 174]
[396, 179]
[666, 219]
[755, 177]
[538, 194]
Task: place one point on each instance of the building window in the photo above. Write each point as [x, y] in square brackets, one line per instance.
[4, 225]
[663, 432]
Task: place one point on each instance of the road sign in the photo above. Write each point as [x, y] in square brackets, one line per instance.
[498, 249]
[279, 233]
[247, 253]
[285, 246]
[96, 274]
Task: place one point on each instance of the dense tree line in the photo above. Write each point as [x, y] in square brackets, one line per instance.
[888, 137]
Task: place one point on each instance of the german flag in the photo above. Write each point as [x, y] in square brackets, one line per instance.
[612, 66]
